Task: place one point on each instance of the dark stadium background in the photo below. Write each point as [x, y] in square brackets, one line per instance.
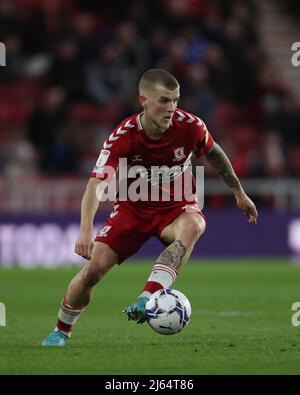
[71, 74]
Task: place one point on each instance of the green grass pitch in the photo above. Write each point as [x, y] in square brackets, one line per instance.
[241, 322]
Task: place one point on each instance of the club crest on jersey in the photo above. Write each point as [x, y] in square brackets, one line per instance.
[178, 154]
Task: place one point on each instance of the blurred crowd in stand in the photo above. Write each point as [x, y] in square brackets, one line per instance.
[72, 68]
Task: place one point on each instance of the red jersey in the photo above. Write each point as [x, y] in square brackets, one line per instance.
[186, 135]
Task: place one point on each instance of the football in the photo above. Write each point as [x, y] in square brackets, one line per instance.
[168, 311]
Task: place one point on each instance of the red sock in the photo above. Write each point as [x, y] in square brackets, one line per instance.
[152, 286]
[67, 316]
[162, 276]
[63, 327]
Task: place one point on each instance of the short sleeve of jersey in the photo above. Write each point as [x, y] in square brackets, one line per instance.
[203, 139]
[116, 146]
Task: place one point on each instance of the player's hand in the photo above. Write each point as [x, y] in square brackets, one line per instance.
[84, 244]
[247, 206]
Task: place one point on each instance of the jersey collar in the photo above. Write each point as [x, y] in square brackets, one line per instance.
[138, 121]
[139, 124]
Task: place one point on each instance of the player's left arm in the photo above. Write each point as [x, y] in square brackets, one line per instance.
[220, 162]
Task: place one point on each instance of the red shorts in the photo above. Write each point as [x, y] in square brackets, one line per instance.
[126, 230]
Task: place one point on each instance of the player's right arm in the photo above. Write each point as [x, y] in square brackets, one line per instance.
[116, 146]
[89, 207]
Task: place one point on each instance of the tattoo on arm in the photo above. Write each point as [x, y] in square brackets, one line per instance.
[220, 162]
[172, 255]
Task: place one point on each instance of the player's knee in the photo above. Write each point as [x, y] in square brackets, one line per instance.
[194, 229]
[92, 275]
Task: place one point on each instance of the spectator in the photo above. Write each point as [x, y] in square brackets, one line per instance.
[109, 80]
[86, 56]
[47, 134]
[66, 70]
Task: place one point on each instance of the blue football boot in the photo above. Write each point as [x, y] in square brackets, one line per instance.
[137, 311]
[55, 339]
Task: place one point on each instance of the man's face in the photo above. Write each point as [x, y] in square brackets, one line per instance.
[160, 104]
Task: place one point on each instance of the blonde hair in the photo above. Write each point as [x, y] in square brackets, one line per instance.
[154, 77]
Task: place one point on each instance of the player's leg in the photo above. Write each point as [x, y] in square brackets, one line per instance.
[120, 238]
[80, 292]
[81, 287]
[180, 236]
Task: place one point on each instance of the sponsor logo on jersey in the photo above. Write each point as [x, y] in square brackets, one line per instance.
[138, 183]
[137, 158]
[161, 174]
